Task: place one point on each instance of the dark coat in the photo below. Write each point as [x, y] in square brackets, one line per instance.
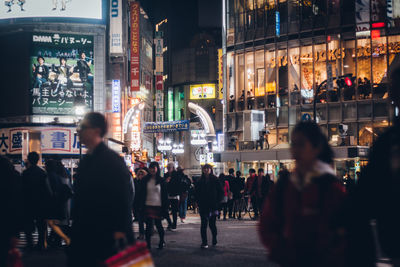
[266, 184]
[142, 194]
[101, 205]
[58, 204]
[37, 193]
[174, 185]
[237, 186]
[208, 193]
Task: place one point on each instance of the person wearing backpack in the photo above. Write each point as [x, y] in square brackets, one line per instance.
[301, 224]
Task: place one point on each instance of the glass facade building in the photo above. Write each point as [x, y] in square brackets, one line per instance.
[282, 55]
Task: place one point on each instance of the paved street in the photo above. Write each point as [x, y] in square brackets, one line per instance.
[238, 245]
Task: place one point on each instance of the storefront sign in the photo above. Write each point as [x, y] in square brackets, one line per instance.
[62, 69]
[54, 140]
[159, 82]
[202, 91]
[159, 64]
[159, 99]
[167, 126]
[116, 28]
[158, 42]
[116, 96]
[277, 23]
[220, 74]
[135, 46]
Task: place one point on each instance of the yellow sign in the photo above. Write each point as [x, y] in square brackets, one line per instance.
[202, 91]
[220, 74]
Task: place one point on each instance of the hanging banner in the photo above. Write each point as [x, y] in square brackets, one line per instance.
[167, 126]
[158, 42]
[135, 46]
[116, 28]
[220, 75]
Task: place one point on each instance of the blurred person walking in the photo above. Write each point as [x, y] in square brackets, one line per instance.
[260, 189]
[10, 208]
[209, 194]
[377, 194]
[174, 190]
[137, 209]
[58, 204]
[301, 222]
[248, 188]
[230, 178]
[102, 199]
[183, 197]
[224, 202]
[37, 197]
[153, 203]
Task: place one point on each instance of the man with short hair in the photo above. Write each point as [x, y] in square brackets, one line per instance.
[37, 195]
[249, 185]
[174, 190]
[260, 189]
[103, 198]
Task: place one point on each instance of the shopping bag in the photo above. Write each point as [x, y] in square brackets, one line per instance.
[14, 258]
[136, 255]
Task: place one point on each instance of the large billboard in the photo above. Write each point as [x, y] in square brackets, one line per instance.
[83, 9]
[62, 71]
[202, 91]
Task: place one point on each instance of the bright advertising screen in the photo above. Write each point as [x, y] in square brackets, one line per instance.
[62, 71]
[85, 9]
[202, 91]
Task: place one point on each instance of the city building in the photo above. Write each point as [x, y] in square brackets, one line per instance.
[195, 80]
[282, 57]
[54, 58]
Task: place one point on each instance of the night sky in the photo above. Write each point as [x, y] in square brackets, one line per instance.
[187, 17]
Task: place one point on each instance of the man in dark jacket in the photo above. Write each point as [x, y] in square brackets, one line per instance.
[380, 200]
[37, 195]
[209, 193]
[102, 201]
[230, 178]
[174, 190]
[260, 189]
[237, 189]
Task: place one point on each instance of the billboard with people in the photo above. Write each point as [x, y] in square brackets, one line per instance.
[62, 71]
[87, 9]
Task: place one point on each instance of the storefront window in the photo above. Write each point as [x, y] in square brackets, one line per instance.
[365, 134]
[270, 77]
[250, 80]
[230, 31]
[294, 15]
[283, 76]
[240, 80]
[294, 74]
[364, 68]
[272, 136]
[379, 67]
[394, 51]
[306, 61]
[379, 128]
[260, 79]
[333, 134]
[349, 65]
[230, 82]
[283, 136]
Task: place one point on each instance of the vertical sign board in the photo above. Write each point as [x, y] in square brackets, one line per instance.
[135, 46]
[220, 75]
[116, 28]
[116, 96]
[159, 47]
[277, 23]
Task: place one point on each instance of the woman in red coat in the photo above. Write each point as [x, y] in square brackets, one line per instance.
[301, 222]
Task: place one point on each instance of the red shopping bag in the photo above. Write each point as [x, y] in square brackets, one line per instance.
[136, 255]
[14, 258]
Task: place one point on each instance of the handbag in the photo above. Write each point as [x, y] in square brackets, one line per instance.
[136, 255]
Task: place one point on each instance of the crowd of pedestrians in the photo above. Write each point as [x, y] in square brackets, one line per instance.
[307, 217]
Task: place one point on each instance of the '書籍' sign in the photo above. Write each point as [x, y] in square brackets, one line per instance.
[167, 126]
[54, 140]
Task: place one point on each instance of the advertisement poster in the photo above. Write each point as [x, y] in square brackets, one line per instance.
[202, 91]
[86, 9]
[135, 46]
[62, 69]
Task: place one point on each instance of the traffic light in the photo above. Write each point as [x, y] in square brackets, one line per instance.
[348, 81]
